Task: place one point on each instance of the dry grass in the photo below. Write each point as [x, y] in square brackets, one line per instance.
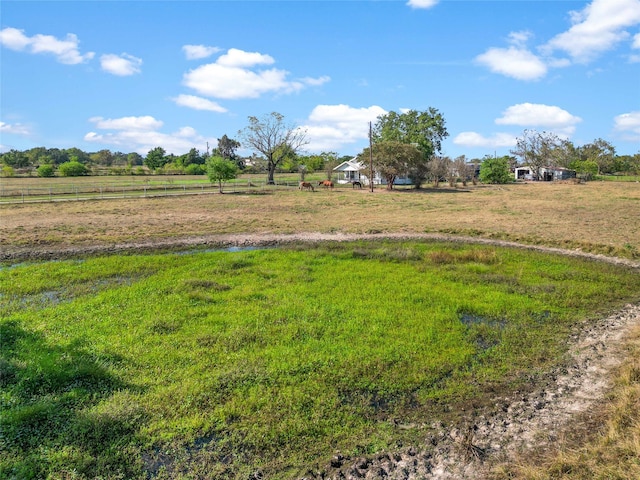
[609, 449]
[599, 217]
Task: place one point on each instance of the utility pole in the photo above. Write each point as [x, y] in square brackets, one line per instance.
[370, 159]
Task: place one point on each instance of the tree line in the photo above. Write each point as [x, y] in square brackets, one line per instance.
[47, 162]
[402, 144]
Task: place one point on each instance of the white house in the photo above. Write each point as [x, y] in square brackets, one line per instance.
[349, 172]
[546, 173]
[353, 171]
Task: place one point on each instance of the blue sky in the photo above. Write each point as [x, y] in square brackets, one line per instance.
[129, 76]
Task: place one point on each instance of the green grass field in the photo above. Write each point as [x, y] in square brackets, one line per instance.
[228, 362]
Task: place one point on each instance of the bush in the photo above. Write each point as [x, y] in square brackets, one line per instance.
[72, 169]
[495, 170]
[7, 171]
[46, 170]
[195, 169]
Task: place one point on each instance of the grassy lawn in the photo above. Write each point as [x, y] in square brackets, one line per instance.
[175, 365]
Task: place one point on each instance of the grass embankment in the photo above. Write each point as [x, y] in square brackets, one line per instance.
[227, 363]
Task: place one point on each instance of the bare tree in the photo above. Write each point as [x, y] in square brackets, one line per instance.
[274, 139]
[463, 170]
[536, 149]
[438, 168]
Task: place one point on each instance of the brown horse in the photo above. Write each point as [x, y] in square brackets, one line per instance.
[326, 184]
[306, 186]
[356, 184]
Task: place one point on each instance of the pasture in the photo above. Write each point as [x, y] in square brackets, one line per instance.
[215, 364]
[597, 217]
[218, 364]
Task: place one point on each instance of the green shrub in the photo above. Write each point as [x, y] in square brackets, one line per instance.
[7, 171]
[73, 169]
[46, 170]
[195, 169]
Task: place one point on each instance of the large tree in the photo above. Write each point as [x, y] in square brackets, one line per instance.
[227, 149]
[391, 159]
[156, 158]
[601, 152]
[274, 139]
[537, 150]
[425, 130]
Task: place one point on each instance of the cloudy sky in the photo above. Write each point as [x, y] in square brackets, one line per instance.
[131, 76]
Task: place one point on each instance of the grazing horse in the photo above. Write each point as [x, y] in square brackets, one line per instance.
[326, 184]
[306, 186]
[356, 184]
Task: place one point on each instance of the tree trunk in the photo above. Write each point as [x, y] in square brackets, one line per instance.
[271, 169]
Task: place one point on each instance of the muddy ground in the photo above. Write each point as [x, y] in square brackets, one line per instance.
[522, 422]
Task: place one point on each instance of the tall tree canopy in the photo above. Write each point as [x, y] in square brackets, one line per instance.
[425, 130]
[156, 158]
[227, 149]
[274, 139]
[601, 152]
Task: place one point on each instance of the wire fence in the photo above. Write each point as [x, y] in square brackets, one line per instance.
[76, 192]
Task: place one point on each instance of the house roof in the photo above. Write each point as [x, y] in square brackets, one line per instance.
[349, 166]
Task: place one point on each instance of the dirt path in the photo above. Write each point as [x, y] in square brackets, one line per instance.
[516, 423]
[19, 254]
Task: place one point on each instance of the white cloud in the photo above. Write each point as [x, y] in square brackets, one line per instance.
[539, 115]
[514, 61]
[629, 125]
[334, 127]
[198, 103]
[146, 122]
[219, 81]
[122, 65]
[422, 3]
[142, 134]
[231, 77]
[550, 117]
[474, 140]
[14, 129]
[596, 29]
[14, 39]
[239, 58]
[636, 41]
[315, 82]
[520, 38]
[66, 51]
[196, 52]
